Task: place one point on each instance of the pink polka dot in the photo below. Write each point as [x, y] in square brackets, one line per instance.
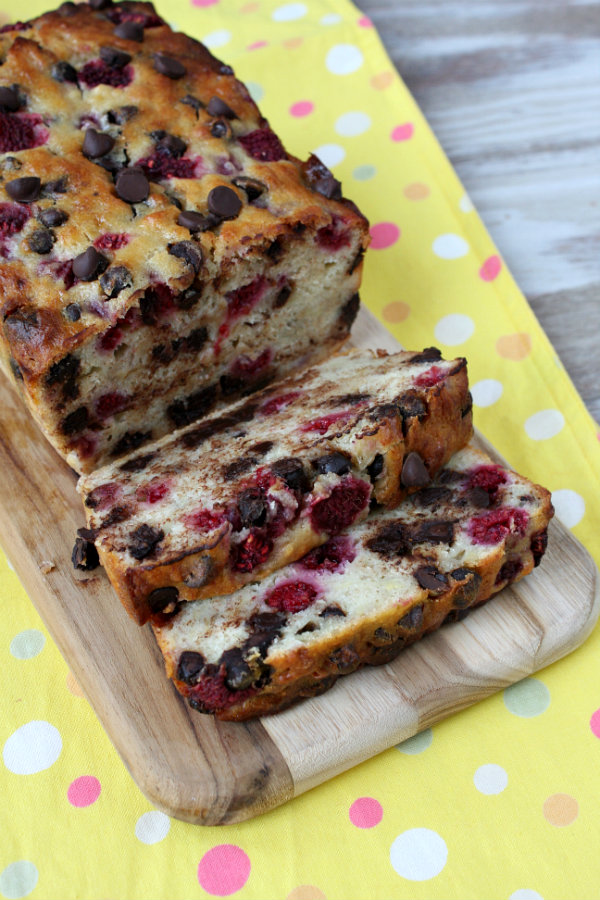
[491, 268]
[365, 22]
[223, 870]
[301, 108]
[366, 812]
[84, 791]
[403, 132]
[257, 45]
[383, 235]
[204, 2]
[595, 720]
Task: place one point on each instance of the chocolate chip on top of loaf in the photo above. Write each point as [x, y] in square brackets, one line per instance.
[237, 496]
[363, 596]
[160, 251]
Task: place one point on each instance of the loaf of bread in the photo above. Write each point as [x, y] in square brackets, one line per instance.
[160, 251]
[363, 596]
[235, 497]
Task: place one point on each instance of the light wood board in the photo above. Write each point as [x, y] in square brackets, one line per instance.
[208, 772]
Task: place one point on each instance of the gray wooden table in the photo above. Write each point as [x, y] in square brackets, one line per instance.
[512, 91]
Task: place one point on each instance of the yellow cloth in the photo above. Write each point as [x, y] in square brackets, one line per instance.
[499, 801]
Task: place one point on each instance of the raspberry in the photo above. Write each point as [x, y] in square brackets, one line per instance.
[263, 144]
[63, 270]
[509, 571]
[252, 552]
[432, 376]
[84, 446]
[245, 367]
[12, 218]
[489, 478]
[241, 301]
[146, 20]
[292, 597]
[156, 490]
[111, 241]
[332, 237]
[204, 520]
[104, 495]
[332, 556]
[14, 26]
[157, 303]
[21, 131]
[212, 694]
[96, 72]
[162, 165]
[111, 338]
[276, 404]
[339, 510]
[110, 404]
[494, 526]
[323, 424]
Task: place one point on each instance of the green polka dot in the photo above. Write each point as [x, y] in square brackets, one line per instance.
[527, 698]
[18, 879]
[417, 743]
[364, 173]
[256, 91]
[27, 644]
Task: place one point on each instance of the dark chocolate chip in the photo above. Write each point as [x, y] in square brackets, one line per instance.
[170, 143]
[539, 542]
[63, 371]
[436, 531]
[130, 31]
[192, 101]
[252, 187]
[9, 99]
[413, 619]
[346, 659]
[67, 9]
[115, 280]
[261, 448]
[41, 241]
[224, 69]
[75, 421]
[59, 186]
[478, 497]
[96, 143]
[291, 470]
[143, 540]
[89, 264]
[382, 636]
[431, 496]
[189, 252]
[163, 599]
[122, 114]
[431, 579]
[349, 310]
[224, 202]
[131, 440]
[116, 59]
[189, 667]
[375, 469]
[73, 312]
[187, 299]
[356, 261]
[414, 473]
[195, 221]
[132, 185]
[24, 190]
[411, 405]
[393, 539]
[200, 573]
[321, 180]
[336, 463]
[238, 674]
[168, 66]
[238, 467]
[84, 555]
[218, 107]
[332, 612]
[100, 4]
[138, 463]
[430, 354]
[219, 129]
[282, 297]
[63, 71]
[252, 507]
[52, 217]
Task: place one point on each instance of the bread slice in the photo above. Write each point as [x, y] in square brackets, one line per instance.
[233, 498]
[363, 596]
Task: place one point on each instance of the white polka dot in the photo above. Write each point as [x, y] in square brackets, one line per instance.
[450, 246]
[543, 425]
[18, 879]
[330, 154]
[289, 12]
[490, 779]
[454, 329]
[353, 123]
[343, 59]
[217, 38]
[418, 854]
[525, 894]
[152, 827]
[417, 743]
[569, 506]
[256, 91]
[330, 19]
[10, 565]
[32, 748]
[465, 204]
[27, 644]
[486, 392]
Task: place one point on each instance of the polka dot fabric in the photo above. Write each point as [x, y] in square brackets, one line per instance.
[498, 801]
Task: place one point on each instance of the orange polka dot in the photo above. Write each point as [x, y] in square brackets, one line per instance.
[249, 7]
[417, 191]
[72, 686]
[396, 311]
[292, 43]
[514, 346]
[382, 81]
[306, 892]
[561, 809]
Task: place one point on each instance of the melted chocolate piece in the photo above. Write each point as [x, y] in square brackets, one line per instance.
[189, 252]
[73, 312]
[168, 66]
[52, 217]
[252, 507]
[238, 674]
[252, 187]
[217, 107]
[430, 354]
[116, 59]
[393, 539]
[478, 497]
[24, 190]
[63, 372]
[130, 31]
[414, 473]
[84, 555]
[238, 467]
[431, 579]
[336, 463]
[115, 280]
[375, 468]
[143, 541]
[75, 421]
[431, 496]
[291, 470]
[413, 619]
[163, 600]
[132, 185]
[437, 531]
[9, 99]
[190, 666]
[192, 101]
[89, 264]
[184, 412]
[195, 221]
[63, 71]
[96, 143]
[321, 180]
[138, 463]
[41, 241]
[131, 440]
[332, 612]
[173, 145]
[122, 114]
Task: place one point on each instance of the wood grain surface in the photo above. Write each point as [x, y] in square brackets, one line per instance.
[511, 89]
[210, 772]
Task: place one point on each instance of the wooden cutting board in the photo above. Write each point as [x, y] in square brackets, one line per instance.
[200, 770]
